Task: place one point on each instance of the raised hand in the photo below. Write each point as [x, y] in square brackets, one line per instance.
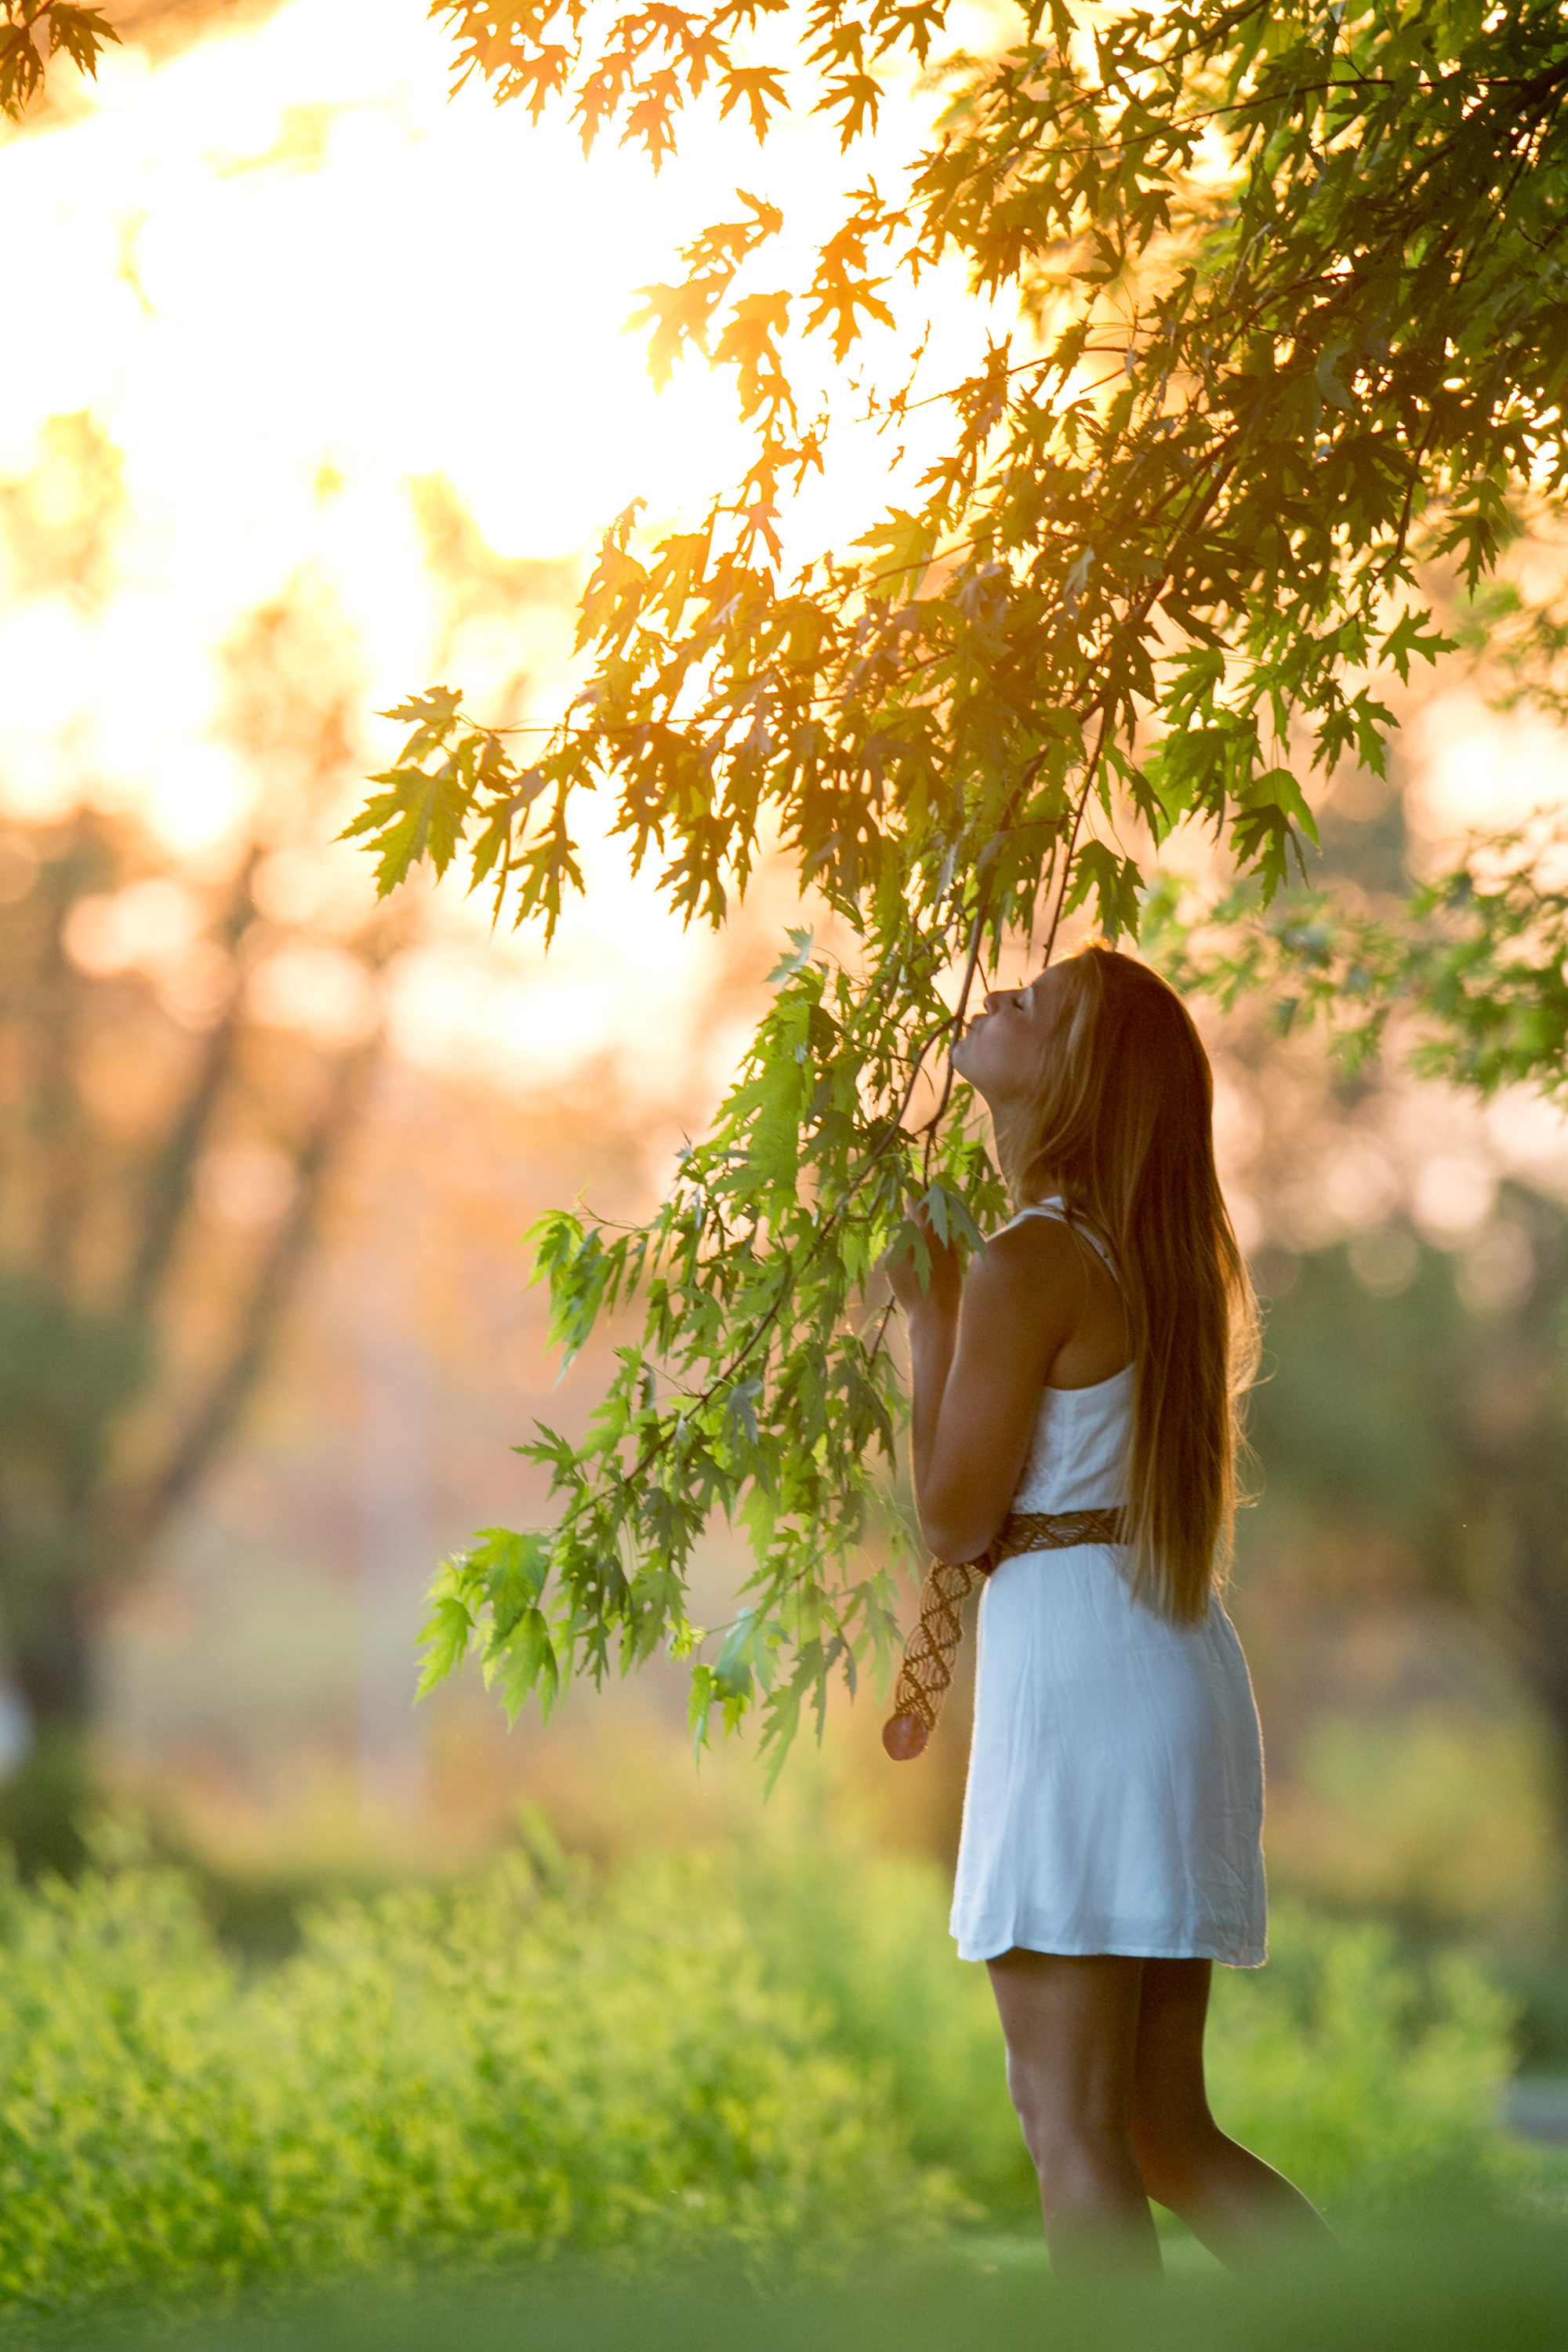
[933, 1287]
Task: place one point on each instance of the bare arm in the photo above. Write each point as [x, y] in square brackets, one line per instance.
[979, 1357]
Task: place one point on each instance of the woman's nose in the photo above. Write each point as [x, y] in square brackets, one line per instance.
[995, 998]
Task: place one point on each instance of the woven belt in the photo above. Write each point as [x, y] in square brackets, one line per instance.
[1052, 1531]
[932, 1646]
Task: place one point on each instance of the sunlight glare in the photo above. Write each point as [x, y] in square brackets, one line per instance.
[286, 275]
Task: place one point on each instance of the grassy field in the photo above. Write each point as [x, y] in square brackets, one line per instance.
[1461, 2289]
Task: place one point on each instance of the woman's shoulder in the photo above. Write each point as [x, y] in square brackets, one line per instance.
[1074, 1233]
[1034, 1245]
[1023, 1293]
[1041, 1255]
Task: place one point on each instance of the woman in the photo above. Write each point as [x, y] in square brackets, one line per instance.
[1111, 1821]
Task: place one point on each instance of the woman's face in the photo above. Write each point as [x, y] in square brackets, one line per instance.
[1003, 1051]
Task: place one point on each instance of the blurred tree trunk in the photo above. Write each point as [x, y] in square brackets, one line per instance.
[162, 1160]
[50, 1654]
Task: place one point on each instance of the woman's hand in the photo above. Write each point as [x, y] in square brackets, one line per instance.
[941, 1295]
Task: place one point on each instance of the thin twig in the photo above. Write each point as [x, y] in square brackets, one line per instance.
[1072, 837]
[977, 932]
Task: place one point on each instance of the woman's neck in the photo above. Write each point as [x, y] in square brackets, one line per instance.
[1007, 1125]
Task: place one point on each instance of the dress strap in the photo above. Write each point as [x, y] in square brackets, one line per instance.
[1056, 1208]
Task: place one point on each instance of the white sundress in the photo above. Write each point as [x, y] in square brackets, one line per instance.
[1115, 1794]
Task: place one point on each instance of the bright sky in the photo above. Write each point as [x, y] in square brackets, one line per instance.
[286, 272]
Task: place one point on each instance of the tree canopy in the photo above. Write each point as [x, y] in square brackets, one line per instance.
[1289, 289]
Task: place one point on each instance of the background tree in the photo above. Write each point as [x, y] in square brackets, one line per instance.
[1431, 1408]
[1288, 284]
[183, 1052]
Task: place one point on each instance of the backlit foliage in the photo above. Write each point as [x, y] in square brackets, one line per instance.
[1477, 956]
[1288, 286]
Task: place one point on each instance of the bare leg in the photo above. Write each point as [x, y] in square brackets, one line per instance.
[1071, 2026]
[1238, 2206]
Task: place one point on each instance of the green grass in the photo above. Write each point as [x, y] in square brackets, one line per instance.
[1494, 2290]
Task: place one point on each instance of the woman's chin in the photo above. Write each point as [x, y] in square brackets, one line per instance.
[970, 1067]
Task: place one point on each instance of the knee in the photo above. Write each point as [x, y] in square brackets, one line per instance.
[1041, 2128]
[1043, 2136]
[1070, 2152]
[1174, 2159]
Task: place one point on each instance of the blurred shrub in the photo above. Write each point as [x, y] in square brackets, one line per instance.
[501, 2071]
[1372, 2085]
[769, 2058]
[863, 1940]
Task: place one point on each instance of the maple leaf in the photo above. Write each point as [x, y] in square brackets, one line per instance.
[680, 316]
[837, 295]
[749, 344]
[650, 118]
[758, 89]
[856, 100]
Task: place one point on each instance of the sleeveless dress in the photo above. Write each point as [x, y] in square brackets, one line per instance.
[1115, 1794]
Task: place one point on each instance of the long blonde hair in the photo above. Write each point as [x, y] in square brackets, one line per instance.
[1122, 1129]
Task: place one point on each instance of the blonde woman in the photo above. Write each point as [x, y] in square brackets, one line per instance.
[1111, 1821]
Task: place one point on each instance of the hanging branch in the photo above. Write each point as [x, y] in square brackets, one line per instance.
[1339, 347]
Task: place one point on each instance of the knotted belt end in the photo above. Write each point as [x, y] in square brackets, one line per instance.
[926, 1675]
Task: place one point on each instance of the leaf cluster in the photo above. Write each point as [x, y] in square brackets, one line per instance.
[759, 1388]
[638, 70]
[31, 32]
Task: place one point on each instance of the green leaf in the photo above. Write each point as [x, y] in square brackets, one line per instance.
[796, 961]
[1113, 882]
[902, 546]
